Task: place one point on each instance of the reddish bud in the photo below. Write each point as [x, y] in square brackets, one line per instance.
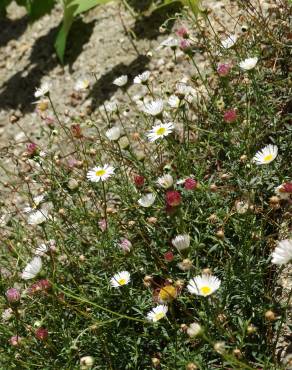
[76, 131]
[139, 181]
[168, 256]
[40, 286]
[185, 45]
[42, 333]
[230, 115]
[190, 184]
[287, 187]
[173, 198]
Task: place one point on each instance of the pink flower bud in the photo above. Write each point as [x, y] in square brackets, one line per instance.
[31, 148]
[223, 69]
[42, 333]
[42, 285]
[13, 295]
[230, 115]
[190, 184]
[185, 45]
[183, 32]
[173, 198]
[102, 225]
[125, 245]
[15, 340]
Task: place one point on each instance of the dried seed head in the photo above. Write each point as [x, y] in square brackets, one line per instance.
[147, 280]
[152, 220]
[243, 158]
[191, 366]
[213, 188]
[207, 271]
[251, 329]
[212, 218]
[270, 315]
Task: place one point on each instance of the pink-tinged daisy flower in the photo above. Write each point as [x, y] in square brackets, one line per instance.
[229, 42]
[100, 173]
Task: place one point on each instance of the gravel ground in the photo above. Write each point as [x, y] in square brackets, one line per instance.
[27, 58]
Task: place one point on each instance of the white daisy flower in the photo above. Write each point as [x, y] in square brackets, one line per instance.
[32, 268]
[41, 250]
[170, 42]
[154, 107]
[142, 78]
[120, 279]
[36, 202]
[160, 130]
[248, 64]
[111, 107]
[43, 90]
[147, 200]
[229, 41]
[113, 133]
[283, 252]
[121, 81]
[165, 181]
[38, 216]
[181, 242]
[82, 84]
[173, 101]
[203, 285]
[157, 313]
[100, 173]
[266, 155]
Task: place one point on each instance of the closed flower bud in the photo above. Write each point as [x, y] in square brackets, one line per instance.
[139, 181]
[270, 315]
[213, 188]
[243, 158]
[73, 184]
[251, 329]
[12, 295]
[42, 333]
[147, 280]
[220, 234]
[155, 361]
[168, 256]
[183, 327]
[191, 366]
[190, 184]
[152, 220]
[173, 198]
[86, 362]
[237, 353]
[230, 116]
[207, 271]
[82, 258]
[213, 218]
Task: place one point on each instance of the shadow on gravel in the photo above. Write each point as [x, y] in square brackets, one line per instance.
[104, 88]
[18, 91]
[147, 27]
[11, 29]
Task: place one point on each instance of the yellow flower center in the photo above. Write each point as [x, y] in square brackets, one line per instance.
[161, 131]
[168, 293]
[205, 290]
[100, 172]
[122, 281]
[268, 157]
[159, 316]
